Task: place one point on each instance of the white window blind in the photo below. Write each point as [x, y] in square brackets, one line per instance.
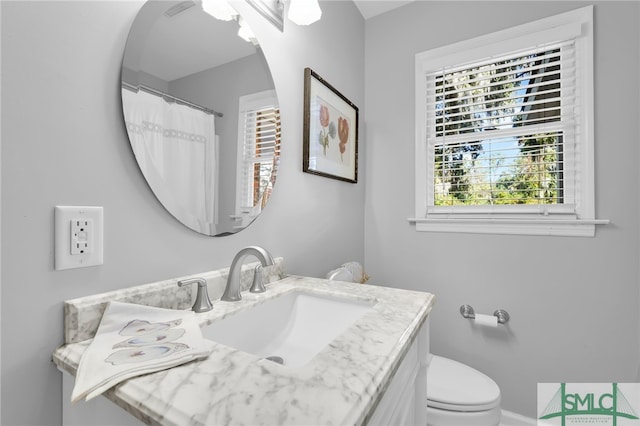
[260, 155]
[501, 132]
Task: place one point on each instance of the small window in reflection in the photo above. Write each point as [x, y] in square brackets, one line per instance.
[258, 152]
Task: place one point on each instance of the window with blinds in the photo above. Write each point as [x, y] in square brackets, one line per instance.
[505, 130]
[259, 152]
[501, 129]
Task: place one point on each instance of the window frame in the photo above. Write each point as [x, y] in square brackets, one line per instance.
[248, 104]
[577, 25]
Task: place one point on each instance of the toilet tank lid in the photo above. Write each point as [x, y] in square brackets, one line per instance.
[456, 384]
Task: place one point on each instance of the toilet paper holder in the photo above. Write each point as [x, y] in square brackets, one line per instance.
[468, 312]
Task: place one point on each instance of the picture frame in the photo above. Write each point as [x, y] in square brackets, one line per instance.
[330, 129]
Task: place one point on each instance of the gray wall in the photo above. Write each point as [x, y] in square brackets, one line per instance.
[573, 301]
[64, 143]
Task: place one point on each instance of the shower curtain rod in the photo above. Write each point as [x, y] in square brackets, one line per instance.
[163, 95]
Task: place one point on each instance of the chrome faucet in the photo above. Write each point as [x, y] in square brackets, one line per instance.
[232, 290]
[202, 303]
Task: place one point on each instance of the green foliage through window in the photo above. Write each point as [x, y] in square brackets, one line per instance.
[496, 139]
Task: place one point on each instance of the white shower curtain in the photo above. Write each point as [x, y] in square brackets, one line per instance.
[175, 147]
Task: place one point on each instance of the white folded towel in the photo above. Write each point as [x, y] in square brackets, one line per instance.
[133, 340]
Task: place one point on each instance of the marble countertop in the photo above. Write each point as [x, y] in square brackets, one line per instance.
[341, 385]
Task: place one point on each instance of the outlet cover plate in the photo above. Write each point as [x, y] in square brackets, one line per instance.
[64, 257]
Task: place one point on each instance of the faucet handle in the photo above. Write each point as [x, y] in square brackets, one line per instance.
[257, 286]
[202, 303]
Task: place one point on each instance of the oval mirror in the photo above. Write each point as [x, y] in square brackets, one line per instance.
[202, 115]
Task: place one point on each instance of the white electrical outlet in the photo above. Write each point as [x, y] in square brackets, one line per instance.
[78, 237]
[81, 235]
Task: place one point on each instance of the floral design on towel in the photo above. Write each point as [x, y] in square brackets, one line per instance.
[147, 341]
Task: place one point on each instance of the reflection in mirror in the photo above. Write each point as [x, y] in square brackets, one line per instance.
[202, 115]
[272, 10]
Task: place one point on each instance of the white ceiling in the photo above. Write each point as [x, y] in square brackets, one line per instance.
[371, 8]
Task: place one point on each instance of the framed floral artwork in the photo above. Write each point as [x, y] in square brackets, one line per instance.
[330, 131]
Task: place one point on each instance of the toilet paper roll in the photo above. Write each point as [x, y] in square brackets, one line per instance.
[486, 320]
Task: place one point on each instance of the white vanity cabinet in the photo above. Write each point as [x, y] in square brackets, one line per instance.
[372, 373]
[405, 400]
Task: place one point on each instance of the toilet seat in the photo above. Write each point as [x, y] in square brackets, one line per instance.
[454, 386]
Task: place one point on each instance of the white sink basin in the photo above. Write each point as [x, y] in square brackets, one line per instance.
[291, 328]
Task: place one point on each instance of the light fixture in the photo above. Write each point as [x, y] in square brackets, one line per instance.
[304, 12]
[219, 9]
[245, 32]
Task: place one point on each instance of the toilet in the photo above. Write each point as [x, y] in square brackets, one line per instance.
[458, 395]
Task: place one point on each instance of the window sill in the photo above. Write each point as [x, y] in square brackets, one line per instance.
[510, 226]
